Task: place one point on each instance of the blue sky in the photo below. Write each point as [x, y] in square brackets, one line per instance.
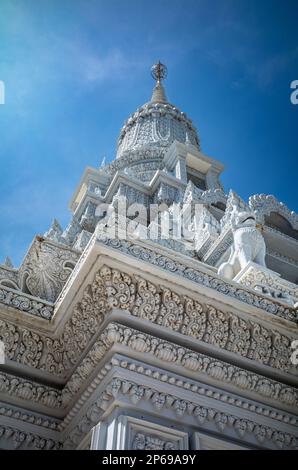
[75, 69]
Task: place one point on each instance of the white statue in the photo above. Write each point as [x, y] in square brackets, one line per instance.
[248, 242]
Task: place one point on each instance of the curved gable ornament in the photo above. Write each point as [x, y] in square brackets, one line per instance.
[264, 204]
[214, 196]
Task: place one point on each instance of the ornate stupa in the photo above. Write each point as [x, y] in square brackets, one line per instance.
[120, 334]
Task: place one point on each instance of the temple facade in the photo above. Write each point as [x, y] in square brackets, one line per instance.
[163, 317]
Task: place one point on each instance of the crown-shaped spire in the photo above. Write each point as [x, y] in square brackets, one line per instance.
[159, 73]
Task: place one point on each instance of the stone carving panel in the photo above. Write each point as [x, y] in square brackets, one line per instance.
[46, 269]
[169, 265]
[112, 288]
[211, 325]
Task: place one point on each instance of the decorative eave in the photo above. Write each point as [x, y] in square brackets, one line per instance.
[186, 272]
[194, 158]
[89, 175]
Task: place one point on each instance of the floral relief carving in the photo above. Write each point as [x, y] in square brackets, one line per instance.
[120, 290]
[171, 311]
[261, 342]
[79, 329]
[148, 442]
[9, 334]
[26, 303]
[147, 302]
[220, 285]
[194, 319]
[28, 390]
[280, 351]
[160, 305]
[217, 327]
[30, 348]
[239, 336]
[189, 317]
[24, 440]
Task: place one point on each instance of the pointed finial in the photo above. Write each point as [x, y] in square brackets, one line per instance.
[55, 231]
[8, 263]
[103, 162]
[159, 72]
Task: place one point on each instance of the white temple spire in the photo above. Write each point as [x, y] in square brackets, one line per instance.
[159, 73]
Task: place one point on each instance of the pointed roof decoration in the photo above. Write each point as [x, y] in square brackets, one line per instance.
[156, 124]
[159, 72]
[8, 263]
[103, 162]
[55, 231]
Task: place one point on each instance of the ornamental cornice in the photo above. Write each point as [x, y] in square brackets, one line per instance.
[28, 417]
[203, 389]
[180, 268]
[26, 389]
[173, 355]
[134, 157]
[151, 373]
[26, 440]
[200, 415]
[159, 305]
[282, 257]
[167, 378]
[188, 361]
[26, 303]
[279, 234]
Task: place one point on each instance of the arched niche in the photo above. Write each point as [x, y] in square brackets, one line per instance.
[280, 223]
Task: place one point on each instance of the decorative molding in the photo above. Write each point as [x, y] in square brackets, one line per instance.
[210, 392]
[26, 303]
[26, 440]
[135, 157]
[114, 289]
[171, 353]
[268, 282]
[28, 417]
[166, 263]
[282, 257]
[158, 125]
[200, 414]
[57, 355]
[28, 390]
[164, 307]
